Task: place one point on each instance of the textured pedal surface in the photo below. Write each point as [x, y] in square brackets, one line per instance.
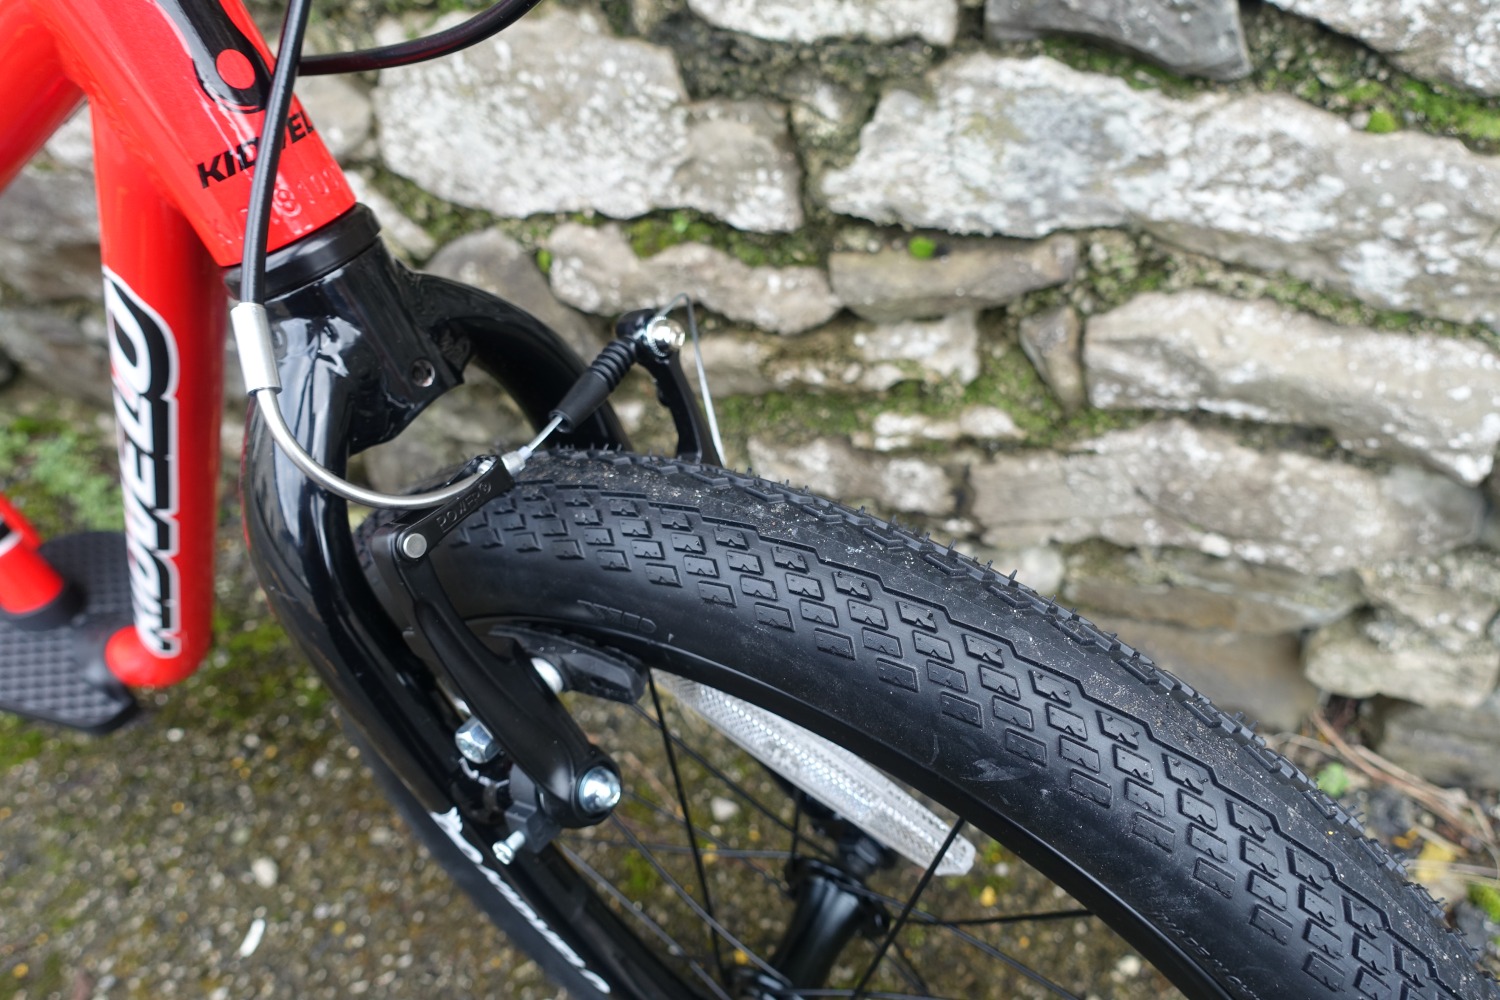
[59, 675]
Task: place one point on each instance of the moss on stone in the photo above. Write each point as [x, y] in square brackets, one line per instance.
[648, 234]
[1007, 381]
[1339, 74]
[1115, 266]
[1297, 56]
[1338, 307]
[651, 234]
[1118, 265]
[748, 416]
[794, 417]
[443, 220]
[1092, 57]
[1010, 382]
[618, 15]
[1474, 119]
[719, 63]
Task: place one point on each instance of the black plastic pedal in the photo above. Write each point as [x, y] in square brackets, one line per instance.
[58, 675]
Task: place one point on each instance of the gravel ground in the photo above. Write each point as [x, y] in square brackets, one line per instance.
[230, 843]
[142, 864]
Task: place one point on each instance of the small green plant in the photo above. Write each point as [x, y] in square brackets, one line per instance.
[1381, 122]
[1333, 779]
[544, 260]
[921, 248]
[1487, 898]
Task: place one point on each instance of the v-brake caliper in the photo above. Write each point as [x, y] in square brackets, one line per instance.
[558, 778]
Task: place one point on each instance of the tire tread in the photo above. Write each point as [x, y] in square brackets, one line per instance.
[1350, 931]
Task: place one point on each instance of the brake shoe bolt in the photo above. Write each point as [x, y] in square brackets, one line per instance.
[599, 790]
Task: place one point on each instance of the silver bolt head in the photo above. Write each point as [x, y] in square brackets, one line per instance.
[476, 742]
[505, 850]
[664, 336]
[414, 546]
[599, 790]
[422, 372]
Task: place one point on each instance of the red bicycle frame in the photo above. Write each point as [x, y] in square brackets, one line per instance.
[177, 90]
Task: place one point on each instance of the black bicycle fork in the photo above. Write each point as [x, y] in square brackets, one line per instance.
[364, 346]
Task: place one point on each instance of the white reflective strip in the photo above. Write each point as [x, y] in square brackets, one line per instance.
[829, 773]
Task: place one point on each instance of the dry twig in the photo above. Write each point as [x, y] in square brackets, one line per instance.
[1451, 805]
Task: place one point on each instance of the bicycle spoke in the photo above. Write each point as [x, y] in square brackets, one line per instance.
[954, 927]
[687, 820]
[927, 919]
[640, 914]
[900, 921]
[704, 846]
[733, 785]
[1016, 918]
[693, 905]
[920, 916]
[1014, 963]
[908, 970]
[876, 995]
[796, 821]
[721, 847]
[732, 854]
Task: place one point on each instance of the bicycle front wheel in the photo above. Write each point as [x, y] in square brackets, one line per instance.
[1124, 832]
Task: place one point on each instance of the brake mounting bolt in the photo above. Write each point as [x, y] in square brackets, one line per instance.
[422, 373]
[414, 545]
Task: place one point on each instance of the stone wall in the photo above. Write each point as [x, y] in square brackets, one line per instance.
[1188, 309]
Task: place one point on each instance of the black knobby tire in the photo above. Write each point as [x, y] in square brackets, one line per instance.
[1208, 852]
